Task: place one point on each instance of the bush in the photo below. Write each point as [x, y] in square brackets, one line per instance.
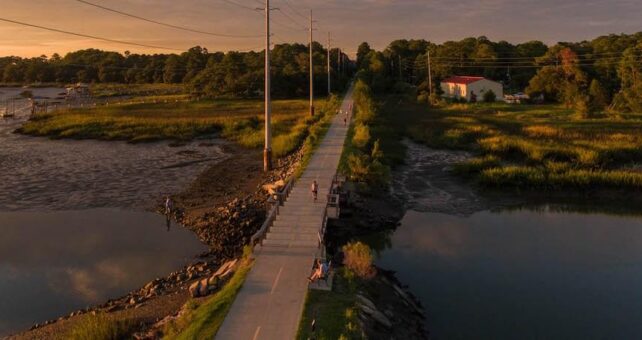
[361, 136]
[358, 259]
[490, 96]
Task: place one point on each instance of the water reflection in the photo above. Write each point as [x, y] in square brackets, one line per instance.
[540, 273]
[53, 263]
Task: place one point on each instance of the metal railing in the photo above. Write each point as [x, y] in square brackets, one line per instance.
[273, 212]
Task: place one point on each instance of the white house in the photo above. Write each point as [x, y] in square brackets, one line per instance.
[467, 87]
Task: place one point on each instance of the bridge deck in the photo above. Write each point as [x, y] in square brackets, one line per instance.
[270, 303]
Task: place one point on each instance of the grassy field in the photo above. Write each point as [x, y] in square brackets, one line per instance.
[237, 120]
[540, 147]
[136, 90]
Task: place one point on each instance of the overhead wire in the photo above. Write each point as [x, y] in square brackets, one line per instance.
[89, 36]
[224, 35]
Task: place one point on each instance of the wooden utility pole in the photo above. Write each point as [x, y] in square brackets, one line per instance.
[311, 70]
[429, 75]
[267, 152]
[339, 61]
[329, 80]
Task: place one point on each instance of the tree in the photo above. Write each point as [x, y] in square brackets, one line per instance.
[362, 52]
[630, 72]
[598, 97]
[490, 96]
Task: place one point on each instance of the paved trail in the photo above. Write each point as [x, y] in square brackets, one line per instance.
[270, 304]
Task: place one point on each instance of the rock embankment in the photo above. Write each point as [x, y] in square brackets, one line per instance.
[386, 310]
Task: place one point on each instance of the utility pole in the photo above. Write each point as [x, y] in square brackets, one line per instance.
[400, 71]
[311, 69]
[329, 80]
[267, 152]
[429, 75]
[339, 61]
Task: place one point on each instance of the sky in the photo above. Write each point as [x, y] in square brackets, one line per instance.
[350, 22]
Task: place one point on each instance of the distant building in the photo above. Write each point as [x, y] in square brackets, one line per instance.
[471, 88]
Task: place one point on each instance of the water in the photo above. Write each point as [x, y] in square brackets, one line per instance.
[52, 263]
[43, 174]
[74, 223]
[551, 271]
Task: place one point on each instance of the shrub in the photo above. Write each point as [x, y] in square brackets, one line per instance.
[358, 259]
[490, 96]
[361, 136]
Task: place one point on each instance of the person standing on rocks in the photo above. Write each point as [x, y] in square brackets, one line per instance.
[314, 189]
[169, 206]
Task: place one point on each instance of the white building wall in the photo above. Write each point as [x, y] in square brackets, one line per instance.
[452, 90]
[482, 86]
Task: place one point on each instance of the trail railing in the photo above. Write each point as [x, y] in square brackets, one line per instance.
[273, 211]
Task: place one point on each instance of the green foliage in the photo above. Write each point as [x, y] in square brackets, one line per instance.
[361, 136]
[212, 74]
[358, 259]
[490, 96]
[630, 72]
[334, 312]
[203, 320]
[100, 327]
[598, 96]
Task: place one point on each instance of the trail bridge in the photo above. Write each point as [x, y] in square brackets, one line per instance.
[270, 303]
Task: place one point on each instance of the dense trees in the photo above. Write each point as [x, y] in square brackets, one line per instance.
[237, 74]
[603, 72]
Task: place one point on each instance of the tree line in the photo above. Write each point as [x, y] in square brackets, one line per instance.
[204, 73]
[589, 75]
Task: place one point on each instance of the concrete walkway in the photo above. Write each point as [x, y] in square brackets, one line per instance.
[270, 303]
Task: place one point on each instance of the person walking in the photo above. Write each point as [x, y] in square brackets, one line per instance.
[169, 206]
[315, 189]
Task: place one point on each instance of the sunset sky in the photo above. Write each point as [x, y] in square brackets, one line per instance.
[351, 22]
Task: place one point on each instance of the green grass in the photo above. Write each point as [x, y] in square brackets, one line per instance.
[203, 320]
[237, 120]
[333, 311]
[135, 90]
[100, 327]
[526, 146]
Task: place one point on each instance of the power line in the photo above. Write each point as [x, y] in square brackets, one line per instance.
[239, 5]
[287, 3]
[166, 24]
[89, 36]
[291, 19]
[526, 58]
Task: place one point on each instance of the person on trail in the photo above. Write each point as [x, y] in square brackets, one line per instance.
[320, 270]
[169, 206]
[345, 120]
[314, 189]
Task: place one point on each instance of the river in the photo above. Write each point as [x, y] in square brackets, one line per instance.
[75, 221]
[513, 269]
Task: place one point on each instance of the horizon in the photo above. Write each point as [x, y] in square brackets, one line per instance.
[372, 21]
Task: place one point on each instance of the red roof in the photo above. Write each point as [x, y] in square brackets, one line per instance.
[464, 80]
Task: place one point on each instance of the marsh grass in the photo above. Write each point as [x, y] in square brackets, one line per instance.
[526, 146]
[100, 327]
[238, 120]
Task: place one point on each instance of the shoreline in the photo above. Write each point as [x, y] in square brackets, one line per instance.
[224, 205]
